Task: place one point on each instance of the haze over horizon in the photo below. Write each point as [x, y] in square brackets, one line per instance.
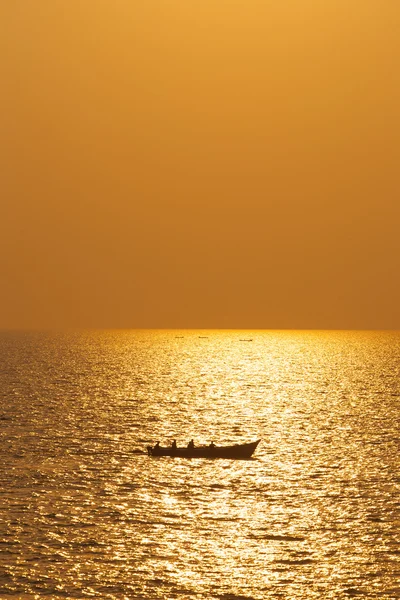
[200, 165]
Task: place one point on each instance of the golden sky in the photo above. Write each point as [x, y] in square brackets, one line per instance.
[202, 163]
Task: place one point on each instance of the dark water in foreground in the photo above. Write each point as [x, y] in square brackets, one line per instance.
[316, 514]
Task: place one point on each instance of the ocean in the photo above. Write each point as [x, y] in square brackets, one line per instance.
[85, 513]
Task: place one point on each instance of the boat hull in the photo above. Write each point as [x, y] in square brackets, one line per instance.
[238, 451]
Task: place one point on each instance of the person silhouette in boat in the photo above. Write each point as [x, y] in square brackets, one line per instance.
[157, 446]
[191, 445]
[173, 446]
[212, 445]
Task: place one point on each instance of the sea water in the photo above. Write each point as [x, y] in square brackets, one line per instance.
[84, 513]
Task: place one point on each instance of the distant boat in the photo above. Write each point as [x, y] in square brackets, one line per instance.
[237, 451]
[249, 340]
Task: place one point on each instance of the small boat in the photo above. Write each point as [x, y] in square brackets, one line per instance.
[237, 451]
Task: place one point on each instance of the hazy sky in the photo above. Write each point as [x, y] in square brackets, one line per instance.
[200, 163]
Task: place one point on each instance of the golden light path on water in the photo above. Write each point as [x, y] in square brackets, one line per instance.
[315, 514]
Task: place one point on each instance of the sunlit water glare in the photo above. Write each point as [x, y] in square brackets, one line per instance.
[315, 514]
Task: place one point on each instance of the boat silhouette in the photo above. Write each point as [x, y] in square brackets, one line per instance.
[236, 451]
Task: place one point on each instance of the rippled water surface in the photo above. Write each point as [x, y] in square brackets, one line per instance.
[315, 514]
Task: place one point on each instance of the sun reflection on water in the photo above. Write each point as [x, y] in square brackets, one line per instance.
[315, 514]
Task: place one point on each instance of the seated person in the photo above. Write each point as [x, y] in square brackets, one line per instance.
[173, 446]
[212, 445]
[191, 444]
[156, 447]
